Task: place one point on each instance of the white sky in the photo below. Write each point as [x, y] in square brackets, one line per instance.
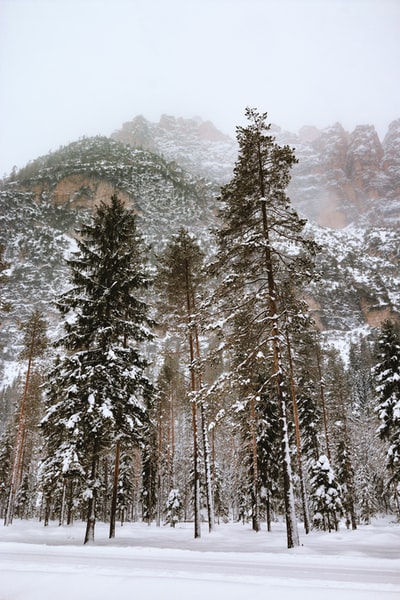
[70, 68]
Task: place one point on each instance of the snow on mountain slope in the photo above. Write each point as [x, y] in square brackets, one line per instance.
[194, 144]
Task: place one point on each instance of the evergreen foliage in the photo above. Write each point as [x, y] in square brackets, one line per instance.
[325, 495]
[97, 392]
[261, 245]
[237, 356]
[387, 377]
[179, 276]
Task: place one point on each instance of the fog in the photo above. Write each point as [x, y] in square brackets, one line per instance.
[70, 68]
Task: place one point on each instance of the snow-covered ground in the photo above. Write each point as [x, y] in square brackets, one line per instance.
[233, 563]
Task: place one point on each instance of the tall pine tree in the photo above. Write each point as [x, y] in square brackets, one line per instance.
[35, 342]
[179, 278]
[261, 244]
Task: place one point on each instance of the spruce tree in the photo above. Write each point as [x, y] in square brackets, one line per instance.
[325, 495]
[261, 244]
[387, 377]
[97, 391]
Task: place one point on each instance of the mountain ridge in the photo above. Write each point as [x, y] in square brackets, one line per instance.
[351, 171]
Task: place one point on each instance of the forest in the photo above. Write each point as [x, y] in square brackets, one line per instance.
[193, 384]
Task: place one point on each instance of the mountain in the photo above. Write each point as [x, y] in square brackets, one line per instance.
[347, 184]
[194, 144]
[341, 178]
[347, 178]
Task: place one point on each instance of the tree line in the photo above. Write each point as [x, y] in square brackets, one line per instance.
[195, 385]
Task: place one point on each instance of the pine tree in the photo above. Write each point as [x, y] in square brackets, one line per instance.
[387, 377]
[368, 450]
[338, 395]
[261, 244]
[97, 392]
[178, 280]
[34, 344]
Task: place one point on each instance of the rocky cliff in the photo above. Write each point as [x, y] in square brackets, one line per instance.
[341, 178]
[197, 145]
[347, 178]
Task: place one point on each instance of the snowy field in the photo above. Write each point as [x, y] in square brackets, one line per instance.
[232, 563]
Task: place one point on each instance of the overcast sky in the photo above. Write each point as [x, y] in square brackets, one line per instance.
[70, 68]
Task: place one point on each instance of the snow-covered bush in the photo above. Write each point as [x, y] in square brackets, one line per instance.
[174, 507]
[325, 495]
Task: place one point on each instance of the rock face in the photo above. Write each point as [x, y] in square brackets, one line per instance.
[347, 178]
[196, 145]
[342, 178]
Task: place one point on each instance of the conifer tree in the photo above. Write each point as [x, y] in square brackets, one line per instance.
[338, 395]
[368, 450]
[97, 392]
[261, 244]
[325, 495]
[387, 377]
[34, 344]
[179, 276]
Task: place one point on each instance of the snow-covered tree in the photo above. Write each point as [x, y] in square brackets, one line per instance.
[387, 377]
[325, 495]
[174, 507]
[34, 344]
[4, 305]
[97, 391]
[261, 244]
[178, 281]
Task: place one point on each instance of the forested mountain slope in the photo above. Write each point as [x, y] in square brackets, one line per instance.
[341, 179]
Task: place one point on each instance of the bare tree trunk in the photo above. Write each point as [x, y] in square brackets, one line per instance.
[291, 523]
[207, 467]
[16, 473]
[323, 403]
[206, 447]
[255, 501]
[196, 473]
[171, 470]
[62, 511]
[304, 501]
[115, 491]
[159, 466]
[91, 513]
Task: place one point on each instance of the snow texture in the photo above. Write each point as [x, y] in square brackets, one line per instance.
[38, 563]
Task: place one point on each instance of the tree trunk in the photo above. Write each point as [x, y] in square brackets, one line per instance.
[207, 467]
[291, 523]
[159, 467]
[91, 512]
[206, 447]
[115, 491]
[62, 511]
[323, 403]
[304, 501]
[196, 473]
[255, 501]
[16, 473]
